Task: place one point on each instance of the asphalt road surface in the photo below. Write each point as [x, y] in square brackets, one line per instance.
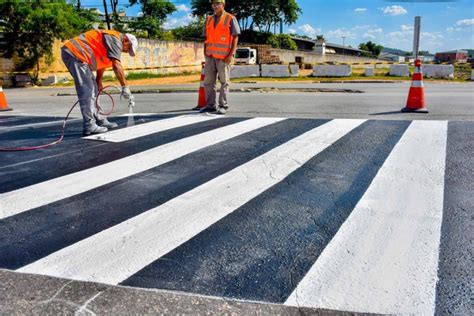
[345, 213]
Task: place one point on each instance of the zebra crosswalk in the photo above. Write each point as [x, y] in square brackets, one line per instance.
[339, 214]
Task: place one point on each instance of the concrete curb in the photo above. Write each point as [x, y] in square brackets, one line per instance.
[246, 89]
[42, 295]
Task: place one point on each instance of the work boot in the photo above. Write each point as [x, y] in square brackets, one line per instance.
[222, 111]
[95, 129]
[106, 123]
[207, 109]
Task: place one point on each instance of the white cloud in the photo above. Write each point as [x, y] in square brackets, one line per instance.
[465, 22]
[310, 31]
[372, 33]
[292, 31]
[428, 36]
[454, 29]
[342, 32]
[177, 22]
[394, 10]
[363, 27]
[399, 37]
[183, 8]
[407, 27]
[360, 10]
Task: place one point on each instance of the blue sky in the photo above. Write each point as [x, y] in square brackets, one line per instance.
[445, 25]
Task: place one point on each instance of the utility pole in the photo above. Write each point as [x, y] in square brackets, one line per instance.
[416, 36]
[107, 19]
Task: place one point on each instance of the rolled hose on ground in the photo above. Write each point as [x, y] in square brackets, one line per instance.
[60, 139]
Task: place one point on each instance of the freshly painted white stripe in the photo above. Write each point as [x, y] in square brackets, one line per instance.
[384, 258]
[136, 131]
[53, 190]
[115, 254]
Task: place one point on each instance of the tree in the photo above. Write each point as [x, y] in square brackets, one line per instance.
[154, 15]
[31, 26]
[282, 41]
[192, 31]
[371, 47]
[250, 13]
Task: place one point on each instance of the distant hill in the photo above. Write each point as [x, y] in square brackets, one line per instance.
[394, 51]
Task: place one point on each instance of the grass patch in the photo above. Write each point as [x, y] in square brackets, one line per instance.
[147, 75]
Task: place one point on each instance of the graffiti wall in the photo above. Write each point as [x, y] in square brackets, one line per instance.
[164, 56]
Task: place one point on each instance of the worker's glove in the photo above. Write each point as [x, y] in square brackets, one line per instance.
[126, 93]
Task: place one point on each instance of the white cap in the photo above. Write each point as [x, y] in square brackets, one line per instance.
[133, 48]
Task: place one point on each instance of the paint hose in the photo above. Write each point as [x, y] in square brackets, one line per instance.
[60, 139]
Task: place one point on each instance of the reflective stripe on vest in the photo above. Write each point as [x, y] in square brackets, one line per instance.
[89, 48]
[219, 37]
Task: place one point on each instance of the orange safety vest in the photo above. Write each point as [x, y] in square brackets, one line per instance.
[219, 38]
[89, 48]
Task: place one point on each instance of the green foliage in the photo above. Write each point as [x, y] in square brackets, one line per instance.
[282, 41]
[154, 15]
[192, 31]
[261, 13]
[371, 47]
[255, 37]
[168, 36]
[30, 28]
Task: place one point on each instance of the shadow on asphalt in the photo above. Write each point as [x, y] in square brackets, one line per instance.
[384, 113]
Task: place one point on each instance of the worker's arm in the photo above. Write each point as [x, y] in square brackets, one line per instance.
[235, 42]
[100, 74]
[118, 69]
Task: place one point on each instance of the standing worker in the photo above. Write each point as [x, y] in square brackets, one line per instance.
[96, 50]
[222, 35]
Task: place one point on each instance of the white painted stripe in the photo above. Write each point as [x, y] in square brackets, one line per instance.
[417, 83]
[50, 191]
[139, 114]
[115, 254]
[136, 131]
[384, 258]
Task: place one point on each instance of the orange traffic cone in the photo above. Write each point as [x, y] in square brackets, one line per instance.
[416, 95]
[202, 91]
[3, 101]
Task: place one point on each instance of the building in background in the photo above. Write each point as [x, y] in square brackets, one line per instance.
[322, 47]
[452, 56]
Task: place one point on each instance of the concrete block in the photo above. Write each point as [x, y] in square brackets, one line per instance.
[49, 81]
[369, 71]
[22, 81]
[399, 70]
[244, 71]
[438, 71]
[332, 70]
[280, 71]
[294, 70]
[472, 74]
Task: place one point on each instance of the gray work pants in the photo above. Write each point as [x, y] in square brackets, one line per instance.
[86, 88]
[212, 69]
